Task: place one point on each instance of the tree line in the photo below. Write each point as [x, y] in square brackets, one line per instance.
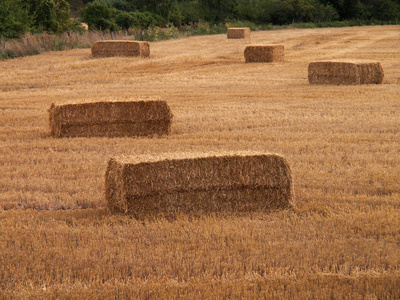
[20, 16]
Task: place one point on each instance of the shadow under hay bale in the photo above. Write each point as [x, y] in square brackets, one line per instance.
[198, 183]
[110, 119]
[120, 48]
[345, 73]
[238, 33]
[264, 53]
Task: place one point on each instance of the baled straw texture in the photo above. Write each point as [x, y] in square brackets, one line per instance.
[370, 73]
[238, 33]
[198, 183]
[264, 53]
[345, 73]
[110, 119]
[120, 48]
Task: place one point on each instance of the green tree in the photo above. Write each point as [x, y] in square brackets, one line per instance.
[99, 15]
[53, 15]
[127, 20]
[191, 12]
[308, 11]
[258, 11]
[168, 9]
[383, 10]
[14, 19]
[147, 19]
[218, 10]
[124, 5]
[124, 19]
[175, 14]
[347, 9]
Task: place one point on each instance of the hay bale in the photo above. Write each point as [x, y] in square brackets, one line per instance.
[238, 33]
[85, 26]
[264, 53]
[370, 73]
[198, 183]
[120, 48]
[110, 119]
[345, 73]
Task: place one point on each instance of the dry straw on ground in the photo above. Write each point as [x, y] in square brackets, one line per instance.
[264, 53]
[345, 73]
[198, 183]
[110, 119]
[120, 48]
[238, 33]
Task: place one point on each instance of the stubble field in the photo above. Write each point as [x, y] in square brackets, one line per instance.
[342, 240]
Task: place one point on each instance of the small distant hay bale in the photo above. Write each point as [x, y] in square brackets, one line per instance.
[198, 183]
[120, 48]
[264, 53]
[238, 33]
[85, 26]
[345, 73]
[110, 119]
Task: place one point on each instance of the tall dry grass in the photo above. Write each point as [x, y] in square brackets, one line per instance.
[33, 44]
[341, 241]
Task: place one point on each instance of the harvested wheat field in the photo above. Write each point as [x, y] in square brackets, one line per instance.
[341, 239]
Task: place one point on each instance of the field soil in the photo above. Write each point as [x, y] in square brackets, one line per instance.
[340, 241]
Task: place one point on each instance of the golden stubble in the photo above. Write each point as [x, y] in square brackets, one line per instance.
[341, 142]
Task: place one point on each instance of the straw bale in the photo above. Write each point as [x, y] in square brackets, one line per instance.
[370, 73]
[85, 26]
[264, 53]
[110, 119]
[238, 33]
[120, 48]
[345, 73]
[198, 183]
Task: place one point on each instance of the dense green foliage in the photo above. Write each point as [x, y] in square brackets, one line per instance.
[101, 15]
[18, 16]
[278, 12]
[50, 15]
[14, 19]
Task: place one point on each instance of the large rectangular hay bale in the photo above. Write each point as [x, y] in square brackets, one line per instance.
[345, 72]
[264, 53]
[110, 119]
[198, 183]
[120, 48]
[238, 33]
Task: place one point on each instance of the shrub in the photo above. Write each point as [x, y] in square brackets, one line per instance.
[308, 11]
[241, 24]
[124, 20]
[157, 33]
[14, 19]
[147, 19]
[259, 11]
[51, 15]
[99, 15]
